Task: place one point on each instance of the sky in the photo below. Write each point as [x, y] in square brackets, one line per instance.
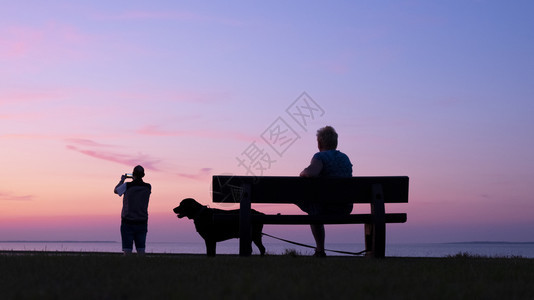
[440, 91]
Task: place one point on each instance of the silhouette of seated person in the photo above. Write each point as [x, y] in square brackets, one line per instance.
[328, 162]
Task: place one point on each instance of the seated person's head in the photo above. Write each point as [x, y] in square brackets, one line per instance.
[327, 138]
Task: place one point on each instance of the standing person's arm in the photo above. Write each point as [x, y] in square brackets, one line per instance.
[120, 188]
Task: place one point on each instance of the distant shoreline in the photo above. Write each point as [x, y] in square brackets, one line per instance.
[474, 248]
[236, 255]
[96, 242]
[490, 243]
[436, 243]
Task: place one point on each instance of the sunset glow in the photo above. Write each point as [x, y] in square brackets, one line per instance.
[438, 91]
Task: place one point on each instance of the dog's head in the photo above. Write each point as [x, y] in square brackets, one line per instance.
[189, 208]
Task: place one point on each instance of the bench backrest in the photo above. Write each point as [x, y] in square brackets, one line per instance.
[271, 189]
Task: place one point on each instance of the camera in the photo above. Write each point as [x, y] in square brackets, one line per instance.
[128, 175]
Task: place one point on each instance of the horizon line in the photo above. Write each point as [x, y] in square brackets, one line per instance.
[103, 242]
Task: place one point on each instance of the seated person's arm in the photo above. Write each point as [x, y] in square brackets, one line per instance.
[313, 170]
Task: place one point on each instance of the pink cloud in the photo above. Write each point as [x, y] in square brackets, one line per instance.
[120, 158]
[53, 40]
[169, 15]
[95, 150]
[202, 175]
[18, 136]
[170, 96]
[18, 96]
[90, 148]
[87, 143]
[157, 131]
[17, 41]
[15, 95]
[6, 196]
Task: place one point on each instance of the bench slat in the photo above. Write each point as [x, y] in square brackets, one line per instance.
[271, 189]
[307, 219]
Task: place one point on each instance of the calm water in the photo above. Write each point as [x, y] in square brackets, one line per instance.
[232, 246]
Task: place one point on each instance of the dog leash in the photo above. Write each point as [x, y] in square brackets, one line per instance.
[308, 246]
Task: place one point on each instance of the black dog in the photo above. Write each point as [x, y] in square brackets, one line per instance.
[211, 232]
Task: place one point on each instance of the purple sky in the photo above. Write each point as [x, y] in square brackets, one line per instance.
[438, 91]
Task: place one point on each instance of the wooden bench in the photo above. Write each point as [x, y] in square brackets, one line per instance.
[269, 189]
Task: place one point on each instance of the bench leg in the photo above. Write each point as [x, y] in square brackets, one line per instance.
[375, 241]
[369, 248]
[245, 234]
[375, 234]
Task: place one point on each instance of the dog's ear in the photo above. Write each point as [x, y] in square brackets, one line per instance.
[191, 203]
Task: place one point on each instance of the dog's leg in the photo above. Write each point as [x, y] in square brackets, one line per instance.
[210, 247]
[260, 246]
[256, 238]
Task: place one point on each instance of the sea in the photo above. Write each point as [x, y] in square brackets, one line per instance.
[487, 249]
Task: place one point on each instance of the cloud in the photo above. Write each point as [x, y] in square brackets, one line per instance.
[154, 130]
[87, 143]
[17, 41]
[51, 40]
[121, 158]
[28, 136]
[202, 175]
[101, 151]
[169, 15]
[171, 96]
[34, 95]
[6, 196]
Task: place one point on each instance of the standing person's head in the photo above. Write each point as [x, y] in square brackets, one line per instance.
[138, 172]
[327, 138]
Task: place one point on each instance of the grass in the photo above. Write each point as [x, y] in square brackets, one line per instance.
[42, 275]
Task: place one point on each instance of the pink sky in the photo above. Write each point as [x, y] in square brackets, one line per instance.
[439, 92]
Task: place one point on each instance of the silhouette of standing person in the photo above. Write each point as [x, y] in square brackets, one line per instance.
[134, 215]
[328, 162]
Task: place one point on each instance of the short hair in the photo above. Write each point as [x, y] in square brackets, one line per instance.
[139, 171]
[327, 137]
